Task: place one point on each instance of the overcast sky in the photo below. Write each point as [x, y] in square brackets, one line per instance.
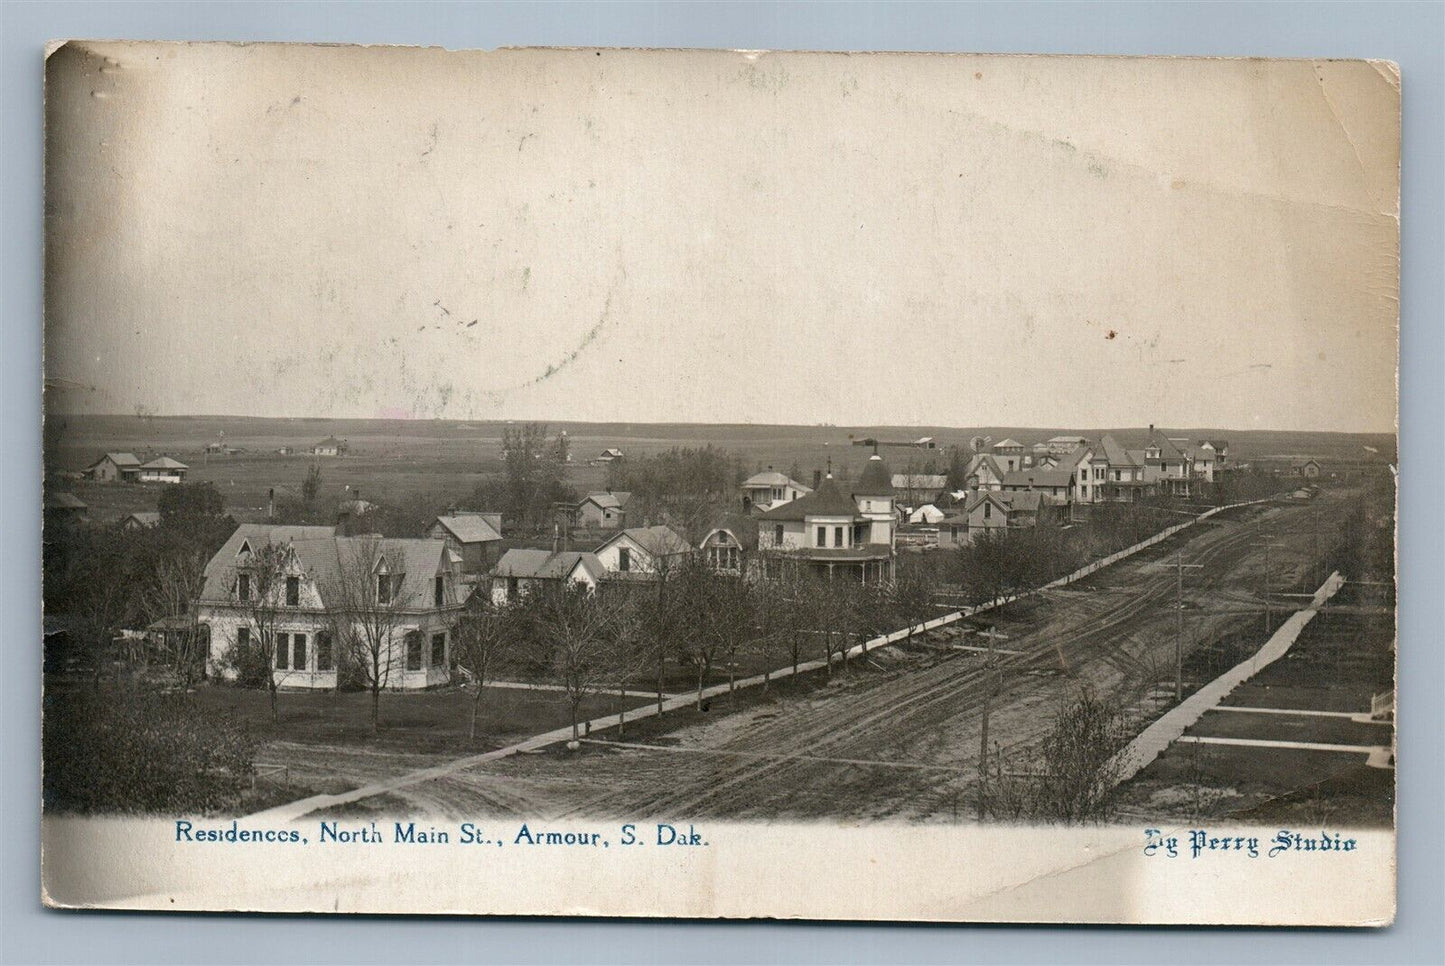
[684, 236]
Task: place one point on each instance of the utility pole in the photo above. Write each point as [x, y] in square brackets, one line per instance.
[1179, 566]
[990, 685]
[1268, 584]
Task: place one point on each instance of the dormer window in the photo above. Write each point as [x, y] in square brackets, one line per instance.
[293, 591]
[243, 586]
[439, 591]
[383, 588]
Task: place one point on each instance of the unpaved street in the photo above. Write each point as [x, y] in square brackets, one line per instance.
[899, 738]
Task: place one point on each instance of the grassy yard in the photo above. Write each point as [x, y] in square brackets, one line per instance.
[424, 721]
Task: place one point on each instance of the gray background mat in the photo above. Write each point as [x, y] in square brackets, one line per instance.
[1411, 34]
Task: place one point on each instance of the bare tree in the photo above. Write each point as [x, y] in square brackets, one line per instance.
[369, 601]
[258, 590]
[589, 638]
[485, 638]
[175, 584]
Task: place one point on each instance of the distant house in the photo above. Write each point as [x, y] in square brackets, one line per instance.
[163, 469]
[983, 473]
[115, 467]
[915, 488]
[1089, 474]
[603, 510]
[1055, 483]
[520, 572]
[643, 551]
[991, 511]
[769, 489]
[1123, 472]
[418, 580]
[831, 533]
[728, 551]
[1010, 454]
[215, 448]
[475, 537]
[1166, 466]
[141, 520]
[64, 509]
[1309, 469]
[1059, 445]
[1201, 459]
[607, 456]
[331, 446]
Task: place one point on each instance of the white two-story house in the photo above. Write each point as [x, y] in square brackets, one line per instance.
[769, 489]
[835, 534]
[311, 601]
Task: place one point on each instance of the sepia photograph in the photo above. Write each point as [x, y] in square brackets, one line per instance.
[687, 483]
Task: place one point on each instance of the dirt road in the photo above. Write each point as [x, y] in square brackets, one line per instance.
[898, 738]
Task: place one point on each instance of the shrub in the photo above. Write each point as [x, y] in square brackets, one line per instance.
[128, 749]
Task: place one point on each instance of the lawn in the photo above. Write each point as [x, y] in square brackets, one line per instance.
[418, 721]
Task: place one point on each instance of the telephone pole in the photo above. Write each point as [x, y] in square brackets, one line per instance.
[1268, 583]
[990, 685]
[1179, 566]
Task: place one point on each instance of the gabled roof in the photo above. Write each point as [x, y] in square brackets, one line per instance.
[1025, 500]
[547, 564]
[984, 460]
[164, 463]
[1009, 443]
[1035, 477]
[255, 535]
[146, 518]
[608, 500]
[614, 453]
[328, 441]
[826, 501]
[1114, 454]
[469, 527]
[1072, 459]
[874, 481]
[659, 541]
[987, 496]
[1167, 448]
[119, 459]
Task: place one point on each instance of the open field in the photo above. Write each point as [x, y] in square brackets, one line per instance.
[896, 737]
[442, 460]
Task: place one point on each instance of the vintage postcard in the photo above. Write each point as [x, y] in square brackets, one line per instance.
[679, 483]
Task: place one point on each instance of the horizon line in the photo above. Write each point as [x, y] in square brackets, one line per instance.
[1394, 433]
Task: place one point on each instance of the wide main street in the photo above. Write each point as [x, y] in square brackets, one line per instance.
[895, 737]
